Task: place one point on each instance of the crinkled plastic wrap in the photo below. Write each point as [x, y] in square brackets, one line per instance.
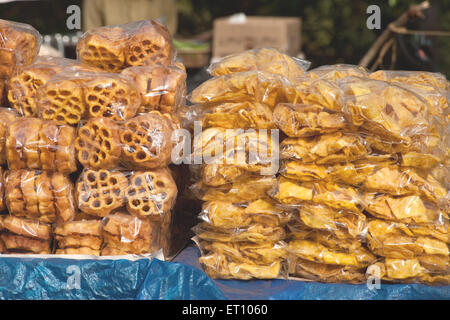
[25, 236]
[19, 45]
[144, 194]
[142, 142]
[162, 88]
[257, 86]
[24, 84]
[81, 237]
[33, 143]
[264, 59]
[73, 95]
[243, 115]
[7, 116]
[114, 48]
[44, 196]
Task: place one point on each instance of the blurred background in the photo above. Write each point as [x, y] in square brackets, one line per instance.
[329, 32]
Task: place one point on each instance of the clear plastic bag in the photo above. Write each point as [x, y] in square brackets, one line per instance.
[418, 79]
[25, 236]
[140, 193]
[72, 95]
[7, 116]
[257, 86]
[41, 195]
[79, 237]
[19, 45]
[264, 59]
[24, 84]
[161, 88]
[114, 48]
[33, 143]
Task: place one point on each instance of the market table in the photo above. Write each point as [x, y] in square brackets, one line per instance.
[37, 278]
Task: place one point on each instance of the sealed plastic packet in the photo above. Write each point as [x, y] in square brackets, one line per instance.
[19, 46]
[7, 116]
[114, 48]
[83, 237]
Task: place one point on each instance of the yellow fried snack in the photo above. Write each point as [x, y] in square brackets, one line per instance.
[161, 87]
[100, 192]
[395, 240]
[7, 116]
[418, 79]
[257, 86]
[27, 227]
[325, 149]
[290, 192]
[65, 159]
[79, 237]
[2, 192]
[20, 244]
[315, 252]
[265, 59]
[78, 251]
[63, 193]
[229, 215]
[215, 175]
[302, 120]
[146, 141]
[128, 233]
[151, 193]
[324, 272]
[405, 209]
[98, 144]
[14, 197]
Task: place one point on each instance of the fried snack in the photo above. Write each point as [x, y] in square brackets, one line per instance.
[65, 160]
[48, 213]
[7, 116]
[114, 97]
[2, 192]
[80, 228]
[128, 233]
[62, 99]
[78, 251]
[98, 144]
[302, 120]
[243, 115]
[151, 193]
[240, 191]
[27, 227]
[395, 240]
[31, 144]
[405, 209]
[265, 59]
[325, 272]
[19, 45]
[137, 43]
[387, 110]
[3, 93]
[255, 233]
[215, 175]
[341, 223]
[217, 266]
[48, 145]
[15, 140]
[161, 88]
[315, 252]
[14, 197]
[15, 243]
[146, 141]
[23, 86]
[28, 187]
[405, 181]
[257, 86]
[325, 149]
[290, 192]
[419, 79]
[79, 237]
[229, 215]
[103, 49]
[406, 270]
[63, 193]
[100, 192]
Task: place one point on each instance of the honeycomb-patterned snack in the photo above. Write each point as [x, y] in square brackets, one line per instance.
[100, 192]
[62, 100]
[7, 116]
[103, 49]
[115, 98]
[149, 43]
[19, 45]
[41, 144]
[161, 88]
[151, 193]
[98, 144]
[146, 141]
[23, 86]
[128, 233]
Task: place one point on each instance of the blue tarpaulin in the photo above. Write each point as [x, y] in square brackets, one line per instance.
[57, 278]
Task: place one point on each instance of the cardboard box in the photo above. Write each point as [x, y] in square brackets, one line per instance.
[239, 33]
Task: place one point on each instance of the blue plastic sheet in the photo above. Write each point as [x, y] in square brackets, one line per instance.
[298, 290]
[37, 278]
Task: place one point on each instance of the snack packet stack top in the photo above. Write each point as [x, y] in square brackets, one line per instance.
[365, 166]
[241, 233]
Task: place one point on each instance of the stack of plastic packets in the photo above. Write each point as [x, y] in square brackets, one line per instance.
[242, 230]
[409, 201]
[319, 176]
[365, 165]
